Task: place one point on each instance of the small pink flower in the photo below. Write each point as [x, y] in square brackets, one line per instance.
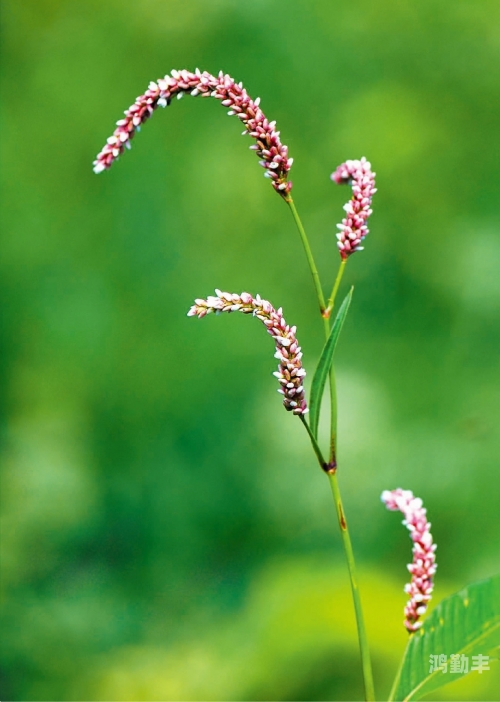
[268, 146]
[353, 228]
[290, 373]
[424, 565]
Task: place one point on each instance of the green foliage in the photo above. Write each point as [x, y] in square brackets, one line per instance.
[325, 363]
[293, 637]
[466, 623]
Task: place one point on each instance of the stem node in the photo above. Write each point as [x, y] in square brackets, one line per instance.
[331, 467]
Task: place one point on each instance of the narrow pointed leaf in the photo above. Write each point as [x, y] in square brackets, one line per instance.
[467, 623]
[324, 365]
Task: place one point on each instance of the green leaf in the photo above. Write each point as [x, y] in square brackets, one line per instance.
[324, 364]
[467, 623]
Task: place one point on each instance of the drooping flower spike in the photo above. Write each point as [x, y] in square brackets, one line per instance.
[353, 228]
[424, 565]
[268, 146]
[290, 372]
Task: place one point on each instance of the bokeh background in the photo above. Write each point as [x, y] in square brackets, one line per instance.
[166, 532]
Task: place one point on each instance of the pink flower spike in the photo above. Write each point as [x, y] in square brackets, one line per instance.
[290, 373]
[424, 565]
[273, 154]
[353, 228]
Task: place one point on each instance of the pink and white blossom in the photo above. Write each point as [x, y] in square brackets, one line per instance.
[424, 565]
[290, 373]
[353, 228]
[272, 153]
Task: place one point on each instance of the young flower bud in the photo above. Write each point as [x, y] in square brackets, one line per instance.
[290, 373]
[424, 565]
[273, 154]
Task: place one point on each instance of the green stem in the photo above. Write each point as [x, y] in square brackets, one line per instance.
[331, 467]
[333, 401]
[398, 674]
[331, 299]
[314, 443]
[351, 565]
[309, 255]
[333, 386]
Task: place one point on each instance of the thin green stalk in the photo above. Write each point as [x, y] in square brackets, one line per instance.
[351, 565]
[398, 674]
[333, 386]
[309, 255]
[333, 400]
[331, 299]
[346, 541]
[314, 443]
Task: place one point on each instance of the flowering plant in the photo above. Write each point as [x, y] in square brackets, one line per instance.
[468, 622]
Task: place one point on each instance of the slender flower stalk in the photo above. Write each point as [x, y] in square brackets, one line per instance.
[290, 373]
[353, 228]
[268, 146]
[331, 467]
[333, 384]
[316, 448]
[364, 648]
[424, 565]
[308, 253]
[335, 289]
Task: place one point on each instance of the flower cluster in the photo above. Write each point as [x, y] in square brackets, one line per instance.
[273, 154]
[424, 565]
[353, 228]
[290, 372]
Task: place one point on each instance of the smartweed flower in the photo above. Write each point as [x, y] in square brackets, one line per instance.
[290, 372]
[268, 146]
[353, 228]
[424, 566]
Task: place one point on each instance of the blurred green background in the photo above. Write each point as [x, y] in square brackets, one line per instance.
[166, 532]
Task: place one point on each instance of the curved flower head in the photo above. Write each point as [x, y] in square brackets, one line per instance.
[353, 228]
[424, 565]
[268, 147]
[290, 373]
